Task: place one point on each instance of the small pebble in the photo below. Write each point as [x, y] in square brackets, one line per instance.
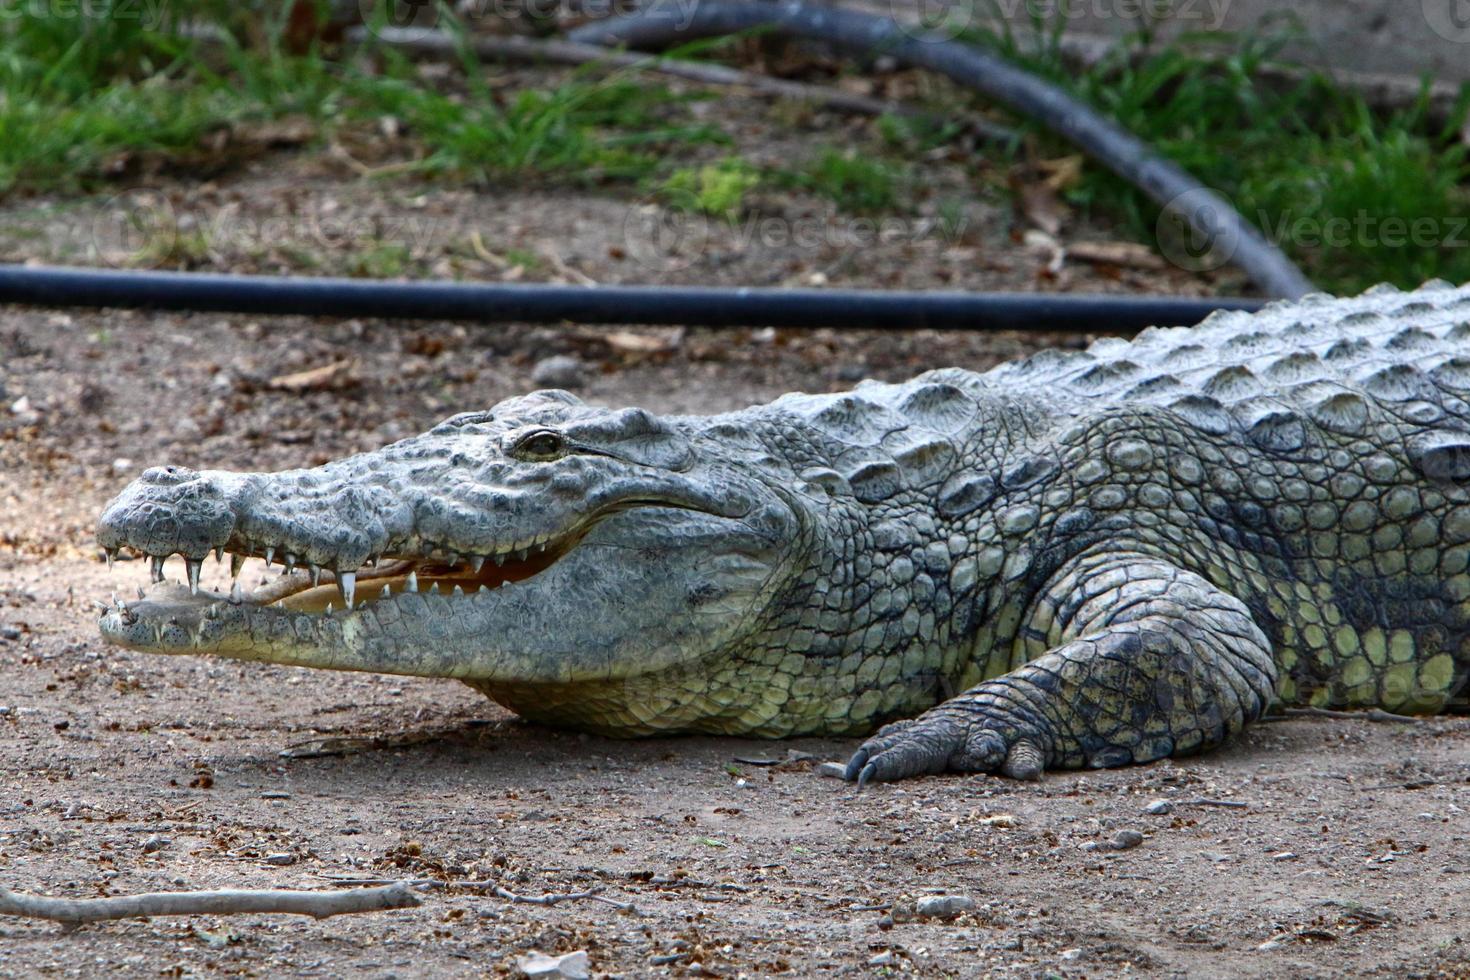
[832, 770]
[154, 843]
[9, 633]
[559, 371]
[1125, 840]
[1284, 856]
[275, 794]
[280, 860]
[884, 958]
[572, 966]
[1159, 807]
[943, 906]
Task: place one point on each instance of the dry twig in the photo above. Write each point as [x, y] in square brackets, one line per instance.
[535, 51]
[318, 905]
[1372, 714]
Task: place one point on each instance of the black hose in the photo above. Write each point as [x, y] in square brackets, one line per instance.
[498, 303]
[1219, 229]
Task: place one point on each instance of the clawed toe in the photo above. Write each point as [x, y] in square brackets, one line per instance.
[942, 743]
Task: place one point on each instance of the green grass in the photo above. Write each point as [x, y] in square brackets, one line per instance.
[717, 189]
[1356, 196]
[1332, 181]
[855, 182]
[77, 94]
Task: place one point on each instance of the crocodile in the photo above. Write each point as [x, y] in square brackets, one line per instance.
[1080, 559]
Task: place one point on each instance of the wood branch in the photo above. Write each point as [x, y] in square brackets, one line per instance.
[1372, 714]
[499, 891]
[318, 905]
[536, 51]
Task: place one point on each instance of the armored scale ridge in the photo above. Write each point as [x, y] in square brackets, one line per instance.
[1078, 559]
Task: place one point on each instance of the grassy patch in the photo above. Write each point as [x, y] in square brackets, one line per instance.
[717, 190]
[80, 92]
[1356, 196]
[854, 182]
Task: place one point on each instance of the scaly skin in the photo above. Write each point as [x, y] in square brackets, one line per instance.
[1083, 559]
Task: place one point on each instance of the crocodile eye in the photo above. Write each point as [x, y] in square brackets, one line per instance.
[539, 445]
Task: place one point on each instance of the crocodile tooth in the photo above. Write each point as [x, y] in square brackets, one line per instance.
[458, 592]
[499, 558]
[387, 593]
[111, 554]
[541, 546]
[290, 563]
[270, 556]
[140, 592]
[330, 607]
[451, 559]
[411, 584]
[101, 606]
[477, 563]
[347, 585]
[372, 561]
[193, 566]
[156, 568]
[219, 555]
[316, 575]
[212, 612]
[237, 562]
[434, 588]
[523, 554]
[483, 589]
[237, 594]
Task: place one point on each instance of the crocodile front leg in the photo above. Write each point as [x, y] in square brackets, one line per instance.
[1147, 660]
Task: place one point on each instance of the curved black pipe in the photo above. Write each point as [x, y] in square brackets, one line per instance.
[1218, 227]
[669, 305]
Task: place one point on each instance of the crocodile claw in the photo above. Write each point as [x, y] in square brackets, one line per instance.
[947, 740]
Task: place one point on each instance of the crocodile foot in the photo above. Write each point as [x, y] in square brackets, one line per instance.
[949, 739]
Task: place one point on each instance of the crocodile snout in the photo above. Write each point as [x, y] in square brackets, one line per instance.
[166, 510]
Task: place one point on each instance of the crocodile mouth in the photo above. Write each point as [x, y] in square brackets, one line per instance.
[319, 591]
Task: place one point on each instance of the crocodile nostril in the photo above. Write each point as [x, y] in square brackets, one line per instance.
[168, 476]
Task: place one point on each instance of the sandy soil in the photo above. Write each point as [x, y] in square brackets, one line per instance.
[1342, 850]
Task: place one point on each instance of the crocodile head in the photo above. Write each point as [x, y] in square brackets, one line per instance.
[537, 544]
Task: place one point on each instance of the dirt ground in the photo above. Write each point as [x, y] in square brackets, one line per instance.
[1311, 849]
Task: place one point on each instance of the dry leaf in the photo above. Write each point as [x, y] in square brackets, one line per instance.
[1130, 254]
[328, 376]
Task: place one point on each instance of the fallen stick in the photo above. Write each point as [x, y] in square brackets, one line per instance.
[577, 54]
[318, 905]
[496, 889]
[1372, 714]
